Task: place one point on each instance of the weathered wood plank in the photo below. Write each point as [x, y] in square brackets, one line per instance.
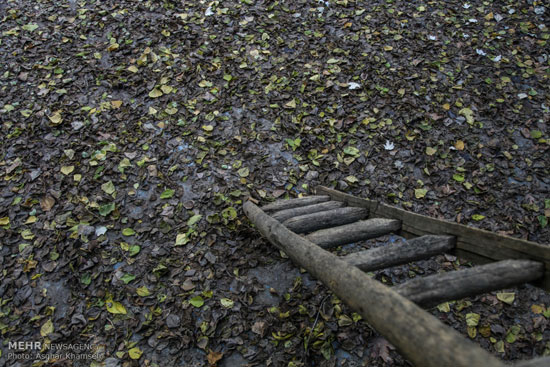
[535, 362]
[283, 215]
[295, 203]
[473, 244]
[402, 253]
[434, 289]
[330, 218]
[358, 231]
[419, 336]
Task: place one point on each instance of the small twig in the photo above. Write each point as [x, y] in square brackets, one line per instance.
[306, 343]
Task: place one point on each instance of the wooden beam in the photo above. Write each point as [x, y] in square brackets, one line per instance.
[295, 203]
[354, 232]
[434, 289]
[401, 253]
[419, 336]
[283, 215]
[330, 218]
[535, 362]
[473, 244]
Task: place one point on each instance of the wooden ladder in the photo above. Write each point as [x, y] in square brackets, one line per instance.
[305, 227]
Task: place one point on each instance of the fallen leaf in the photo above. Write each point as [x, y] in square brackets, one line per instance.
[115, 307]
[214, 357]
[47, 328]
[506, 297]
[47, 202]
[56, 118]
[135, 353]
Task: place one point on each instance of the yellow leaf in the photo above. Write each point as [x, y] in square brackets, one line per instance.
[152, 110]
[115, 307]
[537, 309]
[420, 193]
[207, 127]
[489, 16]
[27, 234]
[446, 106]
[143, 291]
[468, 113]
[506, 297]
[388, 48]
[56, 117]
[31, 220]
[67, 169]
[135, 353]
[47, 328]
[430, 151]
[155, 93]
[459, 145]
[181, 239]
[113, 47]
[166, 89]
[4, 221]
[291, 104]
[116, 104]
[133, 69]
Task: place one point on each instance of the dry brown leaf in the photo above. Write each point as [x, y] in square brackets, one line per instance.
[214, 357]
[47, 202]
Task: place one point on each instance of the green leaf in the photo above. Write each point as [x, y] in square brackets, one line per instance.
[458, 177]
[194, 219]
[243, 172]
[128, 232]
[47, 328]
[477, 217]
[229, 213]
[127, 278]
[115, 307]
[167, 194]
[536, 134]
[512, 334]
[134, 250]
[135, 353]
[420, 193]
[353, 151]
[227, 303]
[472, 319]
[468, 113]
[543, 221]
[181, 239]
[143, 291]
[506, 297]
[197, 301]
[155, 93]
[444, 307]
[106, 209]
[108, 187]
[86, 278]
[30, 27]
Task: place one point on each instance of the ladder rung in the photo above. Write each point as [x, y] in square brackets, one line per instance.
[326, 219]
[295, 203]
[283, 215]
[402, 253]
[434, 289]
[354, 232]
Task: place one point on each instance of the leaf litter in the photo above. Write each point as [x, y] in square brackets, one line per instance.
[134, 131]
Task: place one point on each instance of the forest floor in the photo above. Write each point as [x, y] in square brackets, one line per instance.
[132, 132]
